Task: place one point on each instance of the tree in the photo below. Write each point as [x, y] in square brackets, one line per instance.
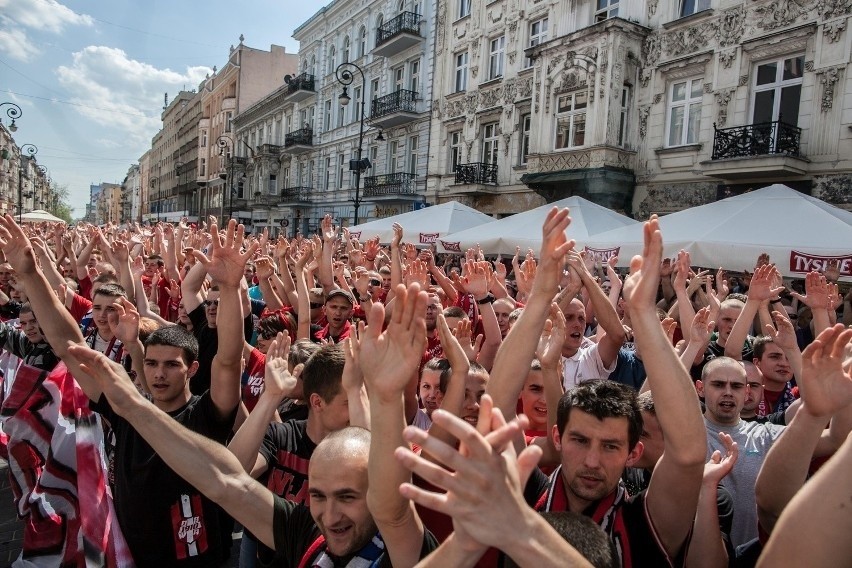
[58, 201]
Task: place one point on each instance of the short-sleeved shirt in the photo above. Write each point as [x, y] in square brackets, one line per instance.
[39, 355]
[629, 369]
[287, 450]
[165, 520]
[295, 531]
[252, 379]
[584, 365]
[754, 440]
[208, 346]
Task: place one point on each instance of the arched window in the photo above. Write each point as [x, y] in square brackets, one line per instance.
[345, 50]
[400, 7]
[313, 66]
[332, 54]
[304, 65]
[362, 41]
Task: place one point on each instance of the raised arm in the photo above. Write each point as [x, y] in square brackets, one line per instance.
[190, 287]
[329, 241]
[760, 289]
[437, 274]
[672, 496]
[389, 359]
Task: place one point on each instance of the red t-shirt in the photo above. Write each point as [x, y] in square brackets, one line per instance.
[772, 398]
[252, 379]
[433, 349]
[80, 306]
[84, 288]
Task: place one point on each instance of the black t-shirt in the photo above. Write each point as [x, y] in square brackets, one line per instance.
[643, 544]
[208, 346]
[295, 531]
[290, 409]
[165, 520]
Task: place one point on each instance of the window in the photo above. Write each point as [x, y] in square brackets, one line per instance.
[394, 146]
[273, 185]
[624, 115]
[332, 65]
[374, 157]
[346, 43]
[277, 131]
[689, 7]
[362, 41]
[327, 183]
[285, 177]
[538, 34]
[341, 111]
[340, 170]
[203, 138]
[412, 155]
[526, 120]
[464, 8]
[313, 66]
[455, 150]
[229, 121]
[311, 113]
[684, 112]
[490, 143]
[374, 89]
[311, 173]
[398, 78]
[202, 168]
[356, 104]
[777, 90]
[497, 52]
[609, 9]
[327, 125]
[571, 120]
[461, 72]
[414, 76]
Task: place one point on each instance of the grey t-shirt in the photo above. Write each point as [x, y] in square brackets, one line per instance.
[754, 440]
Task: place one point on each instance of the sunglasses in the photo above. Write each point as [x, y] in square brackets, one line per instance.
[211, 302]
[265, 334]
[375, 282]
[315, 306]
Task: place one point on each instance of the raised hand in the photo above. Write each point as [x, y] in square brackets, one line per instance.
[785, 334]
[362, 281]
[110, 377]
[476, 279]
[452, 347]
[816, 292]
[416, 272]
[264, 268]
[832, 271]
[762, 260]
[227, 264]
[124, 321]
[640, 288]
[549, 350]
[328, 230]
[722, 287]
[826, 385]
[721, 465]
[525, 277]
[554, 246]
[397, 235]
[464, 334]
[277, 380]
[761, 288]
[702, 327]
[666, 268]
[16, 246]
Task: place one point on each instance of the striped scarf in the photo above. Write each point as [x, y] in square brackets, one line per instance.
[367, 557]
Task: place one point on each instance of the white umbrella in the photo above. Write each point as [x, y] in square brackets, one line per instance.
[39, 216]
[424, 226]
[524, 229]
[800, 233]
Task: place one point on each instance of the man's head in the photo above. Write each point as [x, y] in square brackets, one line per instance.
[652, 434]
[502, 309]
[211, 306]
[575, 319]
[153, 264]
[29, 325]
[474, 388]
[433, 384]
[514, 315]
[323, 388]
[454, 315]
[728, 314]
[248, 273]
[723, 387]
[101, 279]
[338, 308]
[532, 398]
[337, 477]
[772, 362]
[754, 390]
[104, 301]
[270, 326]
[433, 308]
[6, 272]
[317, 301]
[585, 535]
[385, 275]
[597, 431]
[171, 355]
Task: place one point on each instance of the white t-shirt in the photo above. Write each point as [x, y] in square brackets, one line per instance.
[584, 365]
[422, 420]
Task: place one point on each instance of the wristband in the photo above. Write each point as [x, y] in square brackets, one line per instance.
[489, 299]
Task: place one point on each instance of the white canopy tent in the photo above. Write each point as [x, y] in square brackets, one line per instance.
[424, 226]
[524, 229]
[39, 216]
[800, 233]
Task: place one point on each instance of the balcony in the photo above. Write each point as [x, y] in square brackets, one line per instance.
[229, 103]
[394, 109]
[398, 34]
[269, 150]
[295, 196]
[399, 184]
[299, 141]
[766, 149]
[300, 87]
[476, 173]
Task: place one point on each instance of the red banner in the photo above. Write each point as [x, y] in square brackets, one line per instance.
[356, 235]
[428, 238]
[804, 262]
[450, 246]
[602, 255]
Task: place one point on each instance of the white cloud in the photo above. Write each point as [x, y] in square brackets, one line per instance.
[45, 15]
[15, 43]
[126, 94]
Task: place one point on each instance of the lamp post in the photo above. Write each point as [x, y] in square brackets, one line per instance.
[225, 142]
[345, 76]
[30, 150]
[13, 112]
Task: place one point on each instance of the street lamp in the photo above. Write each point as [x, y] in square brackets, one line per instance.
[30, 150]
[13, 112]
[345, 76]
[225, 142]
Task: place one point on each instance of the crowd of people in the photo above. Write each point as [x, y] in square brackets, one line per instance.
[365, 404]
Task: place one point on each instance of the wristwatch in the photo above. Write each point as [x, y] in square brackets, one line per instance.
[489, 299]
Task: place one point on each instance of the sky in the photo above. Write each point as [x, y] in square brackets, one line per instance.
[90, 76]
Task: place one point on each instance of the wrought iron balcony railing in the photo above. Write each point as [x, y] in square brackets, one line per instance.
[303, 82]
[399, 183]
[405, 22]
[296, 194]
[759, 139]
[273, 149]
[302, 137]
[402, 100]
[476, 172]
